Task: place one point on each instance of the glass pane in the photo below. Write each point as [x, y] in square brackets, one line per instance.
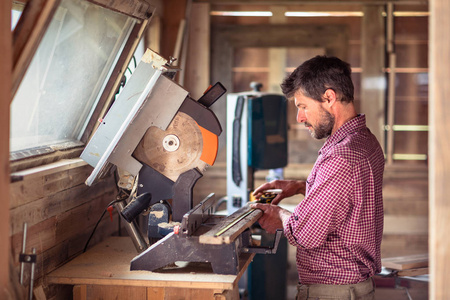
[16, 12]
[67, 74]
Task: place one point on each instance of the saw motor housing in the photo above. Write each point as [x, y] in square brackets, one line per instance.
[160, 139]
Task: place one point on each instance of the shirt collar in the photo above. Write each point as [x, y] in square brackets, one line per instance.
[349, 127]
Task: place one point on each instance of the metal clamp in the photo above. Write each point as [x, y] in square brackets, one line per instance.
[27, 258]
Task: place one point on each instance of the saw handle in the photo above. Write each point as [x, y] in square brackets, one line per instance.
[135, 207]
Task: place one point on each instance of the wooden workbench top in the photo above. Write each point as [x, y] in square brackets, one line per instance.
[108, 263]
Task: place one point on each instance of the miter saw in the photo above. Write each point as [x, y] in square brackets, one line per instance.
[161, 141]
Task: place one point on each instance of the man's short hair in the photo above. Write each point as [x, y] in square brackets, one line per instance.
[316, 75]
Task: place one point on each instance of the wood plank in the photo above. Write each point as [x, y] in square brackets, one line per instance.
[173, 13]
[405, 189]
[36, 183]
[5, 98]
[189, 294]
[414, 272]
[57, 292]
[235, 224]
[56, 253]
[116, 292]
[227, 295]
[439, 164]
[18, 161]
[95, 267]
[52, 231]
[58, 203]
[156, 293]
[80, 292]
[394, 224]
[48, 169]
[402, 244]
[412, 207]
[406, 262]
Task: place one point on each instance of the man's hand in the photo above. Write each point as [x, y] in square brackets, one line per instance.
[289, 188]
[273, 216]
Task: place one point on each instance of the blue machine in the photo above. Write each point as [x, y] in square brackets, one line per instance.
[256, 140]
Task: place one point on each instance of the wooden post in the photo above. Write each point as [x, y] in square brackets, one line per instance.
[373, 83]
[197, 77]
[5, 98]
[173, 13]
[277, 56]
[439, 145]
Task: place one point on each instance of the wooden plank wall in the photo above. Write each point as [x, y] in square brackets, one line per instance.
[5, 98]
[405, 195]
[406, 184]
[60, 211]
[439, 147]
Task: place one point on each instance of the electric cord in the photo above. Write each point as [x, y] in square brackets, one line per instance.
[98, 222]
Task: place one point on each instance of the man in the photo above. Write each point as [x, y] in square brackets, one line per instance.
[337, 227]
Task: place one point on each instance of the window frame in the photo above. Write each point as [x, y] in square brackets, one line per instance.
[27, 35]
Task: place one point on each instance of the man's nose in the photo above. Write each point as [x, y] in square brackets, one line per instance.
[301, 118]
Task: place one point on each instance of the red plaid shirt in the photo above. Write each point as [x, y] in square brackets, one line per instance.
[338, 226]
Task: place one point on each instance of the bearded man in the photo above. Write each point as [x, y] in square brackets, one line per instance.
[338, 226]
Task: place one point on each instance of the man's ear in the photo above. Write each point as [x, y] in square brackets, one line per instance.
[330, 97]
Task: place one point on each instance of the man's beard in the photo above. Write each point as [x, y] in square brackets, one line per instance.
[324, 127]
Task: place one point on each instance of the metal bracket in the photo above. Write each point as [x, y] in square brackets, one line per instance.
[27, 258]
[266, 250]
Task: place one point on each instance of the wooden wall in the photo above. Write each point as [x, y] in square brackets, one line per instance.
[406, 182]
[5, 97]
[61, 212]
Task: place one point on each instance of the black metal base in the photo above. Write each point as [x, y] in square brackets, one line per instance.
[224, 258]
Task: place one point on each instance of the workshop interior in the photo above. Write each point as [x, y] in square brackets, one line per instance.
[139, 129]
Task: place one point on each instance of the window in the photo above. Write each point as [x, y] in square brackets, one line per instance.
[16, 12]
[67, 75]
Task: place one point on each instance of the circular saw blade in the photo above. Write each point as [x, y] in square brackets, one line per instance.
[175, 150]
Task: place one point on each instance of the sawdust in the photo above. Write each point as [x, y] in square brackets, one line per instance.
[168, 225]
[157, 213]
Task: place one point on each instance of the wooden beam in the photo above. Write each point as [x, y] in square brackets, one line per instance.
[439, 145]
[277, 55]
[139, 9]
[373, 83]
[173, 13]
[197, 77]
[5, 96]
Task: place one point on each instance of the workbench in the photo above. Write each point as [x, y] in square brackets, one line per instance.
[103, 272]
